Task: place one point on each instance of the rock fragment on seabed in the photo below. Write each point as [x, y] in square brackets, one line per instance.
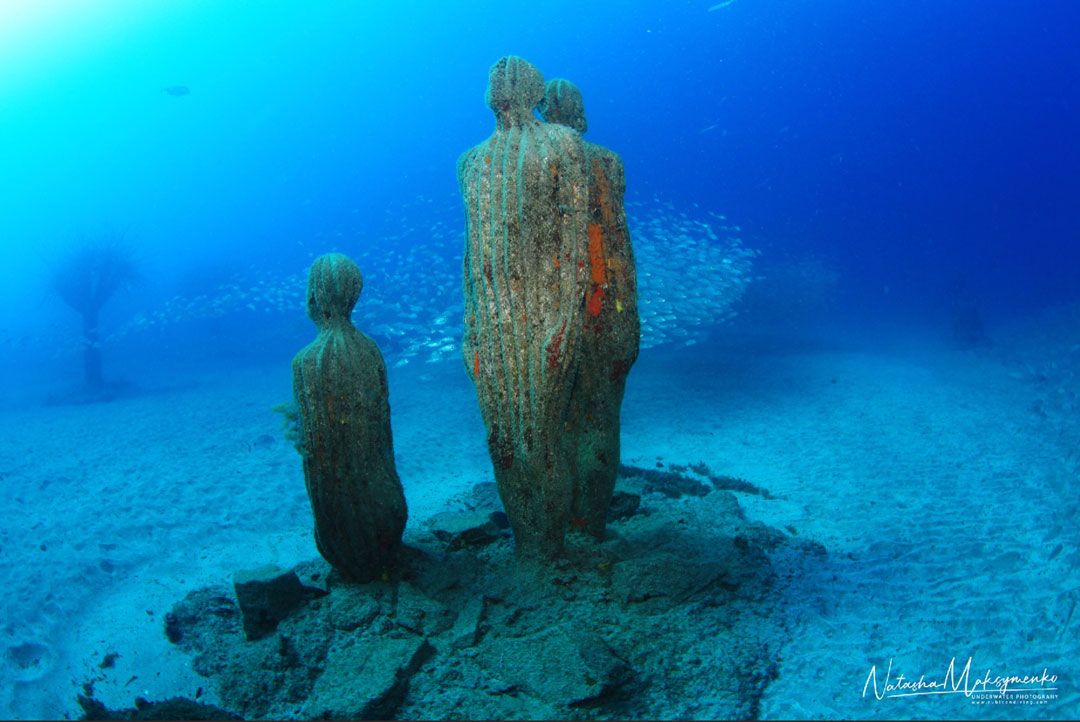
[460, 529]
[266, 595]
[367, 679]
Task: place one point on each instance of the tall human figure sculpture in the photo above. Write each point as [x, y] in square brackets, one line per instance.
[525, 278]
[612, 328]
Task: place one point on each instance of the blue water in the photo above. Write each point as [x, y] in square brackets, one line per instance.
[908, 161]
[908, 144]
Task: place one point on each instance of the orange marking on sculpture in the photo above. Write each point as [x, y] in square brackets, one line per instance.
[603, 192]
[476, 363]
[596, 253]
[596, 302]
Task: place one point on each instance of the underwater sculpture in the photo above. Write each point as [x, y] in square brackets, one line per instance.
[612, 328]
[339, 381]
[86, 280]
[562, 104]
[525, 279]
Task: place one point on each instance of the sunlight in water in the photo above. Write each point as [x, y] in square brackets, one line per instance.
[39, 38]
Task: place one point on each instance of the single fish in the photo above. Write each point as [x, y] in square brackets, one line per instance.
[177, 91]
[721, 5]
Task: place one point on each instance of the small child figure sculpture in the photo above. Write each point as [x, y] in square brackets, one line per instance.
[339, 381]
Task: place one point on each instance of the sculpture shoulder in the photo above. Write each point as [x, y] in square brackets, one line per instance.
[370, 349]
[308, 355]
[463, 162]
[348, 341]
[610, 161]
[468, 158]
[569, 141]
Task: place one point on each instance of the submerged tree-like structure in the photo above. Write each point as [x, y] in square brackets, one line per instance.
[339, 381]
[525, 279]
[86, 280]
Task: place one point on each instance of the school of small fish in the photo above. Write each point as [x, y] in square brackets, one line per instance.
[691, 269]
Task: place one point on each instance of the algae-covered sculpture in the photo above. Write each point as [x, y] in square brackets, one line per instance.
[525, 278]
[562, 103]
[612, 328]
[340, 385]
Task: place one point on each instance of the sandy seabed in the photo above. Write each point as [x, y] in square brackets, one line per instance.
[942, 483]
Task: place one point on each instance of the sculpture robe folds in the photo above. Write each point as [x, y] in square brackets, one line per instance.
[612, 327]
[339, 381]
[525, 277]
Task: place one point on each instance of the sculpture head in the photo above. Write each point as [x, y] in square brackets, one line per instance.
[562, 103]
[334, 285]
[514, 89]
